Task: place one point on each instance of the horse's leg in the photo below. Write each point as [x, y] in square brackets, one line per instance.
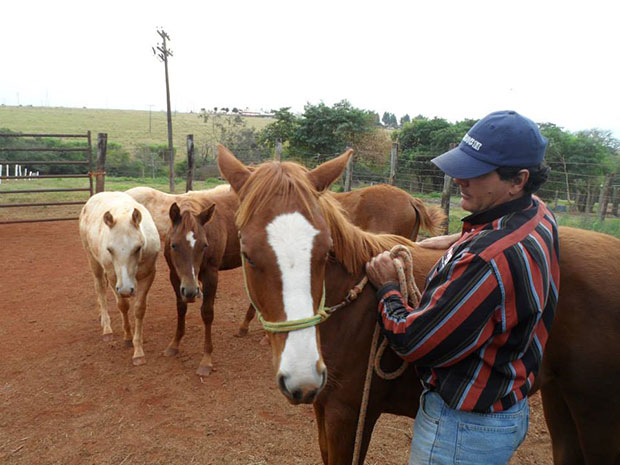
[598, 426]
[139, 310]
[101, 284]
[209, 287]
[319, 413]
[123, 306]
[340, 430]
[173, 347]
[564, 437]
[245, 324]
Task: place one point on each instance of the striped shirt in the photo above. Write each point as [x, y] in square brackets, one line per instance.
[478, 335]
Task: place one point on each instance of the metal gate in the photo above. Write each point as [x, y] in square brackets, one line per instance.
[87, 162]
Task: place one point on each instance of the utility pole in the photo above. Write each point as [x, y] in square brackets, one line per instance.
[162, 52]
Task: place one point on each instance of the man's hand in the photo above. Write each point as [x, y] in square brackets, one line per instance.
[439, 242]
[381, 270]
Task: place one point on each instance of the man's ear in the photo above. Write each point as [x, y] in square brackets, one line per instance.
[519, 181]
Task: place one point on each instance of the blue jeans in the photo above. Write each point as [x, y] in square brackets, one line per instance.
[442, 435]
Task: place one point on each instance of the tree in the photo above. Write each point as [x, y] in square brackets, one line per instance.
[405, 119]
[232, 131]
[326, 130]
[281, 129]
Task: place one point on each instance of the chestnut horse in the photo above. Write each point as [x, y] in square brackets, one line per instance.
[200, 239]
[222, 252]
[121, 242]
[300, 249]
[381, 208]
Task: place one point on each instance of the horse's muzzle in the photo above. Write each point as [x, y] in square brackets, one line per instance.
[304, 394]
[190, 293]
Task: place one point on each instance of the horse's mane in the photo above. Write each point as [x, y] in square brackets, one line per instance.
[353, 247]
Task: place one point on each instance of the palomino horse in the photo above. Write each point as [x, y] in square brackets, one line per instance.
[121, 243]
[200, 239]
[300, 249]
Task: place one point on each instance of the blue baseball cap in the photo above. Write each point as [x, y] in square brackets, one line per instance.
[503, 138]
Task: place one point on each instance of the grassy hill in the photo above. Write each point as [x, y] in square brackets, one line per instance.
[126, 127]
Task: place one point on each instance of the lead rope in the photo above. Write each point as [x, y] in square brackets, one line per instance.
[403, 262]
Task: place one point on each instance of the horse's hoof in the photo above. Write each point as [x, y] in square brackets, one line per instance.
[171, 352]
[129, 343]
[108, 337]
[204, 370]
[137, 361]
[265, 341]
[242, 332]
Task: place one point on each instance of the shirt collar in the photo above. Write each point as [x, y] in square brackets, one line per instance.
[503, 209]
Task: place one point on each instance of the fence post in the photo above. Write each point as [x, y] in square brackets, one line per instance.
[615, 200]
[393, 158]
[189, 185]
[603, 198]
[445, 201]
[348, 175]
[278, 153]
[102, 149]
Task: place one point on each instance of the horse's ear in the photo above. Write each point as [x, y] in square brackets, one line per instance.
[324, 175]
[206, 214]
[108, 219]
[136, 217]
[175, 213]
[235, 172]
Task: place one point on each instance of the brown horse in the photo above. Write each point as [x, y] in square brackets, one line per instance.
[299, 248]
[190, 265]
[366, 208]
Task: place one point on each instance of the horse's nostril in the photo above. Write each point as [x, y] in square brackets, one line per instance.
[182, 291]
[132, 290]
[297, 395]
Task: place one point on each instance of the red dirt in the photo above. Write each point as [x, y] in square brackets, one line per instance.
[67, 397]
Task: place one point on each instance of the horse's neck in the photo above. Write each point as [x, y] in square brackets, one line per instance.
[354, 247]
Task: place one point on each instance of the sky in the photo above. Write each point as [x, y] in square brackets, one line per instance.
[552, 61]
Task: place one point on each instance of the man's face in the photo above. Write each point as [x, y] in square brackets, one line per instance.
[485, 192]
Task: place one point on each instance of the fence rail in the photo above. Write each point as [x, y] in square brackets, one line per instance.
[18, 164]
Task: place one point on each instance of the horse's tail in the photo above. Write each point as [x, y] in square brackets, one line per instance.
[430, 218]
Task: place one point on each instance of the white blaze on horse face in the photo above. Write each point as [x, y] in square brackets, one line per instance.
[291, 237]
[191, 239]
[125, 262]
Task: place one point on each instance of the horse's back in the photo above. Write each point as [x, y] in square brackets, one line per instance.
[585, 333]
[384, 208]
[158, 204]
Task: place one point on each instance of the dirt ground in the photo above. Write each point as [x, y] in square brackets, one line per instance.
[67, 397]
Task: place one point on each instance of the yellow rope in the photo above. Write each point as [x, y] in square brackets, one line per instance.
[403, 262]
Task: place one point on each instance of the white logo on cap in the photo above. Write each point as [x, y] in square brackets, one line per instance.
[473, 143]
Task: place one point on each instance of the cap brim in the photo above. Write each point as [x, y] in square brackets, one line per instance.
[459, 164]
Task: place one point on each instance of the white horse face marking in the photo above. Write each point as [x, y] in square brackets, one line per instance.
[125, 248]
[292, 238]
[191, 239]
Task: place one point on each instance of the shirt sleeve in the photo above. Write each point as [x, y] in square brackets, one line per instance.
[454, 317]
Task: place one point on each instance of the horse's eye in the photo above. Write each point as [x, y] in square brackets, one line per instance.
[138, 249]
[173, 246]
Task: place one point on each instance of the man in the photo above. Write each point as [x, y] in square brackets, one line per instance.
[478, 335]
